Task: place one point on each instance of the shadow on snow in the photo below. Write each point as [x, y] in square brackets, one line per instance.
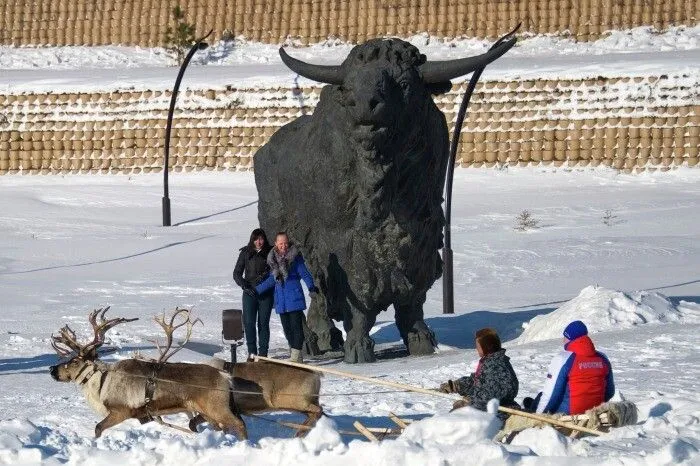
[458, 330]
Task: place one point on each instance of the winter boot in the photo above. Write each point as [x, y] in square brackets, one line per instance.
[296, 356]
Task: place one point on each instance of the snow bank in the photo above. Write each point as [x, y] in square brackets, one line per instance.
[460, 437]
[244, 52]
[602, 309]
[435, 441]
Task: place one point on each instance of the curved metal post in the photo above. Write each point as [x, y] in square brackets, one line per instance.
[448, 305]
[199, 45]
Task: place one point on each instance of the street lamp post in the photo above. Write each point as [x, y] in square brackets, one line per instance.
[199, 45]
[448, 304]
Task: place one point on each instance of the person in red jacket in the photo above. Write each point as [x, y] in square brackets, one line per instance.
[579, 378]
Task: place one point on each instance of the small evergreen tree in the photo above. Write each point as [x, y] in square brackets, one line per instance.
[525, 221]
[609, 218]
[179, 39]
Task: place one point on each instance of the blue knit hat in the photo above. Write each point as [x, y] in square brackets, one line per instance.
[575, 329]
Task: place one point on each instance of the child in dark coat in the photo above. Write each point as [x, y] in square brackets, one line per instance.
[494, 376]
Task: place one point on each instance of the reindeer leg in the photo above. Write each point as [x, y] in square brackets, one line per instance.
[199, 419]
[312, 416]
[229, 423]
[113, 418]
[195, 422]
[238, 427]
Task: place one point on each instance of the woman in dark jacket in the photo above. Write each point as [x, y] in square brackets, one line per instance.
[251, 268]
[287, 270]
[494, 376]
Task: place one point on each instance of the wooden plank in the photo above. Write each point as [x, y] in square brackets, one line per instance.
[377, 430]
[160, 421]
[549, 420]
[364, 431]
[397, 420]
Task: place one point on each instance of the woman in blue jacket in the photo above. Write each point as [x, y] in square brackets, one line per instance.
[287, 269]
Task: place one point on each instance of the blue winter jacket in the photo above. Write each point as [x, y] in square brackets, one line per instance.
[289, 296]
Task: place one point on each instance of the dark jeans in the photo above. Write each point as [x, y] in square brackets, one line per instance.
[293, 326]
[257, 311]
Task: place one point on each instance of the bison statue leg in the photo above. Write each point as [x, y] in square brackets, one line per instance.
[320, 328]
[416, 334]
[359, 346]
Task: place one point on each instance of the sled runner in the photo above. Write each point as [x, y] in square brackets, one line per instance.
[602, 418]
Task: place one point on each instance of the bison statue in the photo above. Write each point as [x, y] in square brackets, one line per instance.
[358, 185]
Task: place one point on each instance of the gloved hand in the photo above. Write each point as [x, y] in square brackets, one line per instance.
[250, 291]
[313, 292]
[448, 387]
[461, 403]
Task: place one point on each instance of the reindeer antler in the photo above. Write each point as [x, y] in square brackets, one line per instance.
[169, 329]
[100, 329]
[67, 344]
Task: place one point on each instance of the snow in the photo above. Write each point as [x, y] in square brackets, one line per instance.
[70, 244]
[607, 309]
[242, 64]
[74, 243]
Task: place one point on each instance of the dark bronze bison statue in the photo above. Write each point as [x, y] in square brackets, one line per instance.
[358, 186]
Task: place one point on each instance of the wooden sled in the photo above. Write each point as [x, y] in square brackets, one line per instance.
[602, 418]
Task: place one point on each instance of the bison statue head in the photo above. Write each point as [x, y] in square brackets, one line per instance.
[385, 82]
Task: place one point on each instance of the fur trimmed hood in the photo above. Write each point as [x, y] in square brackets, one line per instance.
[279, 265]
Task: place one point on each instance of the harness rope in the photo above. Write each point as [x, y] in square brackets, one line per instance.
[243, 392]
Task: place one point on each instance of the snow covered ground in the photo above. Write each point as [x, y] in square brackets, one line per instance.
[242, 64]
[621, 252]
[71, 244]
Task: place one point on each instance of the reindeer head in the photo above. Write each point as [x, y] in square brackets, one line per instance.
[79, 356]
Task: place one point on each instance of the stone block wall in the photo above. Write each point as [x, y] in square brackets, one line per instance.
[630, 123]
[143, 22]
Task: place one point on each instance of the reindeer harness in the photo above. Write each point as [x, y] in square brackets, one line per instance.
[88, 376]
[149, 392]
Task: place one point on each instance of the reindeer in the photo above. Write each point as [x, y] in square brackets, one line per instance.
[259, 387]
[145, 390]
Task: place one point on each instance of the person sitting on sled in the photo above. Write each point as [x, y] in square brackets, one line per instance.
[494, 376]
[578, 379]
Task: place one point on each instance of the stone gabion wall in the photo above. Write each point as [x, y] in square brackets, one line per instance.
[630, 123]
[143, 22]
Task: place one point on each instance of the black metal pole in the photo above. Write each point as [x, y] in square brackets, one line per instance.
[448, 304]
[234, 358]
[199, 45]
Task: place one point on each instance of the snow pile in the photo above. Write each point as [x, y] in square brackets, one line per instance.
[602, 309]
[544, 442]
[15, 436]
[463, 426]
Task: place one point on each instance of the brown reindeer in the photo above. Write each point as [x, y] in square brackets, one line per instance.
[143, 390]
[259, 387]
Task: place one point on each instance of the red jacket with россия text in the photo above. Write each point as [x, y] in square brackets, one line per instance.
[579, 378]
